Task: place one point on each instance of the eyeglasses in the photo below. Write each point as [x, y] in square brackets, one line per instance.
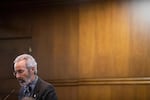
[18, 72]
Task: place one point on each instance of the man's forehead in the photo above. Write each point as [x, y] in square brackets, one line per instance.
[20, 64]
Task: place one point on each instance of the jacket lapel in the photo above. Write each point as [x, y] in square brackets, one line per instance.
[36, 91]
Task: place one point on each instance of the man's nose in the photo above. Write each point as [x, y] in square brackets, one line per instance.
[17, 75]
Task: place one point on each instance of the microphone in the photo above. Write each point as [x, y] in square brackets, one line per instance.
[11, 92]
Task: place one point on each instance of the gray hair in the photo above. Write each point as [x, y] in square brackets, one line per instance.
[30, 61]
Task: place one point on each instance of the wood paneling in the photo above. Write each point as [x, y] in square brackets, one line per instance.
[57, 39]
[10, 48]
[104, 47]
[67, 93]
[90, 51]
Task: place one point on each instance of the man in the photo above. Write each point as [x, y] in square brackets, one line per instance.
[25, 70]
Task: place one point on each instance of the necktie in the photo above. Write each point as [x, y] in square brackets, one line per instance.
[27, 91]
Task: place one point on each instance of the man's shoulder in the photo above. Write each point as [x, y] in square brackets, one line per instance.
[45, 90]
[44, 84]
[44, 87]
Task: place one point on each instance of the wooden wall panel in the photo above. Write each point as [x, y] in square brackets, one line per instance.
[57, 39]
[13, 47]
[104, 47]
[95, 92]
[139, 48]
[133, 92]
[114, 45]
[67, 93]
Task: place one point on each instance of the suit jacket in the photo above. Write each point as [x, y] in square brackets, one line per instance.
[42, 91]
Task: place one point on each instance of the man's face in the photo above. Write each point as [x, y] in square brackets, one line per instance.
[22, 73]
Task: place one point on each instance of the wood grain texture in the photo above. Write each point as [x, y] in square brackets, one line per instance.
[89, 51]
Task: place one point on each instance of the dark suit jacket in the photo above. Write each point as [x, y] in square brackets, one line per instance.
[42, 91]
